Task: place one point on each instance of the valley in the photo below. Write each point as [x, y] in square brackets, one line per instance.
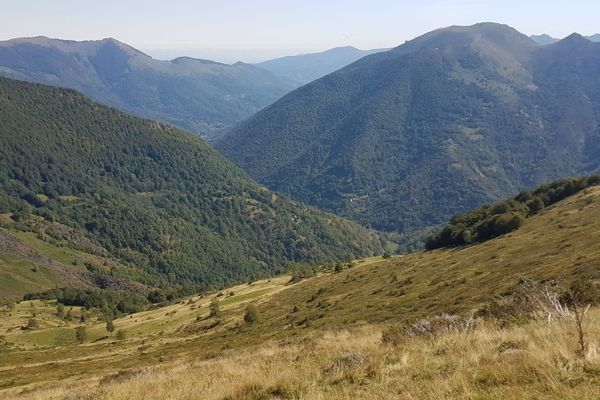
[416, 221]
[338, 316]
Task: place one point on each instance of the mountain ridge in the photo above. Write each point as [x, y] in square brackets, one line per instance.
[196, 95]
[545, 39]
[404, 139]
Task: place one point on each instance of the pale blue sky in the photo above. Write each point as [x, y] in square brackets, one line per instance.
[251, 29]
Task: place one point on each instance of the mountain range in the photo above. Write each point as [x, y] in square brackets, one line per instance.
[404, 139]
[305, 68]
[545, 39]
[158, 203]
[198, 95]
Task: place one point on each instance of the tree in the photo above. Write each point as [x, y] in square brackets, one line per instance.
[338, 267]
[251, 315]
[60, 311]
[156, 296]
[83, 316]
[535, 206]
[80, 334]
[110, 326]
[33, 323]
[214, 308]
[121, 335]
[69, 315]
[580, 296]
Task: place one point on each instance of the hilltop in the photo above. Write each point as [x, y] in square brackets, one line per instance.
[404, 139]
[201, 96]
[92, 196]
[325, 331]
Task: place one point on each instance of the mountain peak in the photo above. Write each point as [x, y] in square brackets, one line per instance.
[498, 35]
[574, 40]
[576, 37]
[544, 39]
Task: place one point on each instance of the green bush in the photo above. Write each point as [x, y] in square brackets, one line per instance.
[251, 315]
[498, 219]
[214, 308]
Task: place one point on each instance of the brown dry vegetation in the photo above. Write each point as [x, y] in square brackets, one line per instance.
[321, 338]
[527, 362]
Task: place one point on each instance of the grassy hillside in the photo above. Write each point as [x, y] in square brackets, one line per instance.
[149, 196]
[522, 362]
[32, 262]
[322, 337]
[198, 95]
[442, 124]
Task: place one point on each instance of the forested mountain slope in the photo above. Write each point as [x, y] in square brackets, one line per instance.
[199, 95]
[150, 196]
[444, 123]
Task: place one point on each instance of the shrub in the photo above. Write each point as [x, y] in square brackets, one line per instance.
[33, 324]
[214, 308]
[121, 335]
[251, 315]
[580, 297]
[110, 326]
[80, 334]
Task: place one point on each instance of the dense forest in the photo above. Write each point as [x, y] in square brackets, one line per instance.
[447, 122]
[154, 197]
[494, 220]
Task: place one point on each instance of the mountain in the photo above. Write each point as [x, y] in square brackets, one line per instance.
[198, 95]
[545, 39]
[456, 118]
[594, 38]
[465, 319]
[305, 68]
[165, 207]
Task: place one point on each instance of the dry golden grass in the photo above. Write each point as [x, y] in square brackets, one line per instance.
[533, 361]
[320, 338]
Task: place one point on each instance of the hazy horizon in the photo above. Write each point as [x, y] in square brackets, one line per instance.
[264, 29]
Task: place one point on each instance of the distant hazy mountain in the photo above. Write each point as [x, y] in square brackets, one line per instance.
[306, 68]
[197, 95]
[545, 39]
[595, 37]
[441, 124]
